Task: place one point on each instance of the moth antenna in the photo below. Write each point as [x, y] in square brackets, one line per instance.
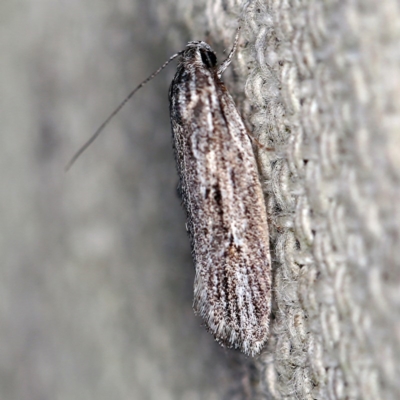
[228, 60]
[106, 122]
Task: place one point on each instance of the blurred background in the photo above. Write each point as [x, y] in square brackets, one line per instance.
[96, 277]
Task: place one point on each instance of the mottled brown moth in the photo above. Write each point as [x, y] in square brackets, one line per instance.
[224, 202]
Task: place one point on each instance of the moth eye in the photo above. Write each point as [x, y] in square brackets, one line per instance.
[209, 58]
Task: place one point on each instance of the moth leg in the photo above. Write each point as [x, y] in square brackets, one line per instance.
[257, 143]
[228, 60]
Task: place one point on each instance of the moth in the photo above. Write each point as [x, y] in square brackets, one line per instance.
[224, 202]
[223, 199]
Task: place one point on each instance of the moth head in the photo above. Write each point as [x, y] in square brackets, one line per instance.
[200, 52]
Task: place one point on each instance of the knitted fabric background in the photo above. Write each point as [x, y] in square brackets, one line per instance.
[323, 89]
[96, 278]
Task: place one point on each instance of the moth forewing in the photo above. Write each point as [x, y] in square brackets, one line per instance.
[224, 202]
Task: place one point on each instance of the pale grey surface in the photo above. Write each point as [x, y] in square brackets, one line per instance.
[96, 276]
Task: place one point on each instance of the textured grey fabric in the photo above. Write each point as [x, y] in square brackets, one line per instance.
[333, 115]
[323, 89]
[326, 93]
[96, 277]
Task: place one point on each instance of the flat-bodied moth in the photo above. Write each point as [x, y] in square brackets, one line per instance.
[223, 198]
